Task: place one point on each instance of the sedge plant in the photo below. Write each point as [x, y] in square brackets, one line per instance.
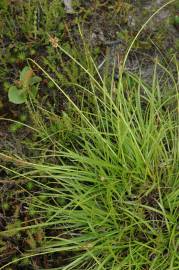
[110, 199]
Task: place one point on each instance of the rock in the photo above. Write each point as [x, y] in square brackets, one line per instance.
[68, 6]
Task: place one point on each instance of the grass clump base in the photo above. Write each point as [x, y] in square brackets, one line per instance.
[109, 200]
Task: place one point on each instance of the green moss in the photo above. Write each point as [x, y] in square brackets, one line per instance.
[5, 206]
[30, 185]
[15, 127]
[177, 43]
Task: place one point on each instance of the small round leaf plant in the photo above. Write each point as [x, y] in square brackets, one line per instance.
[26, 85]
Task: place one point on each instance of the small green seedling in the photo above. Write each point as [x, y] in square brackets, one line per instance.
[5, 206]
[177, 19]
[14, 127]
[30, 185]
[27, 85]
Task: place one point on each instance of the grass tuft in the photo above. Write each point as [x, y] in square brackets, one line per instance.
[110, 200]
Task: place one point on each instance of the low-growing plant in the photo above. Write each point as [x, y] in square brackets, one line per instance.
[27, 85]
